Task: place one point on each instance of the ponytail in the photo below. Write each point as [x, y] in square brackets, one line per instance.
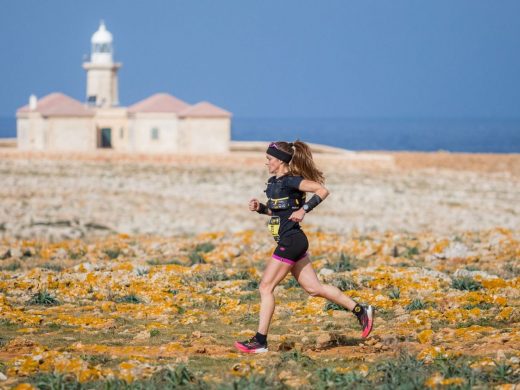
[301, 163]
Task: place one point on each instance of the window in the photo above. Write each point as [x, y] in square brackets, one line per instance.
[102, 48]
[155, 133]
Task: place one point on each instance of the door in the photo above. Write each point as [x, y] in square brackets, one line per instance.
[105, 138]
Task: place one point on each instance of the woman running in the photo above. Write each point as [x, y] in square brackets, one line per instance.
[294, 174]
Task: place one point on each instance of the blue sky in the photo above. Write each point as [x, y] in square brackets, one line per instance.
[334, 58]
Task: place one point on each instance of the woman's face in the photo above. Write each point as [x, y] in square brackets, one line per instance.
[273, 164]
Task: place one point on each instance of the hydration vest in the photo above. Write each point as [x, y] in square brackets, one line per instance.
[281, 197]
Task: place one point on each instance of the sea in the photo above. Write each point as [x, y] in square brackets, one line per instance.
[390, 134]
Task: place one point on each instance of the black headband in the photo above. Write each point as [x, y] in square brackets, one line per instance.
[279, 154]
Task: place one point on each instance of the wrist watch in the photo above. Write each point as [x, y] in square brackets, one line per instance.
[305, 207]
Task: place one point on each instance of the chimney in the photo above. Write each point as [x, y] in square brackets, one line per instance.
[33, 102]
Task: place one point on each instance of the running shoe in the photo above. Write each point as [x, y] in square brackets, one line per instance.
[366, 321]
[251, 346]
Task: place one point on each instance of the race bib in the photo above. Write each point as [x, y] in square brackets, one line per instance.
[274, 227]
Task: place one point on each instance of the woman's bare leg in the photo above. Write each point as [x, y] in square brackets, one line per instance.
[307, 278]
[274, 273]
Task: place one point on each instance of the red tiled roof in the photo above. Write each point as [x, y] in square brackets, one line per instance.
[58, 104]
[204, 110]
[160, 102]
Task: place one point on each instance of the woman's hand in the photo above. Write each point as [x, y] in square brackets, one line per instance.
[254, 205]
[297, 216]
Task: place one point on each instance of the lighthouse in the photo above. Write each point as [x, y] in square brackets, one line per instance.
[161, 123]
[102, 86]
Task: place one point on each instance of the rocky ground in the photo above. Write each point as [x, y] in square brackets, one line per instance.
[132, 312]
[58, 197]
[134, 272]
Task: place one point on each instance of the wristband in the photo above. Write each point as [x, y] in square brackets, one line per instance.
[312, 203]
[262, 209]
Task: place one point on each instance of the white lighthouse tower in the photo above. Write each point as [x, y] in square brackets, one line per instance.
[102, 88]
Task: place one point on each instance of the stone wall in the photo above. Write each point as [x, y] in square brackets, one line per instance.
[140, 127]
[205, 135]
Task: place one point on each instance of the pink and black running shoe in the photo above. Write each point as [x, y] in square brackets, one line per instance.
[251, 346]
[367, 321]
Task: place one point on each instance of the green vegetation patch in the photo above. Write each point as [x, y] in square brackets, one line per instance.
[130, 298]
[466, 283]
[332, 306]
[416, 304]
[112, 253]
[343, 263]
[196, 255]
[43, 298]
[395, 293]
